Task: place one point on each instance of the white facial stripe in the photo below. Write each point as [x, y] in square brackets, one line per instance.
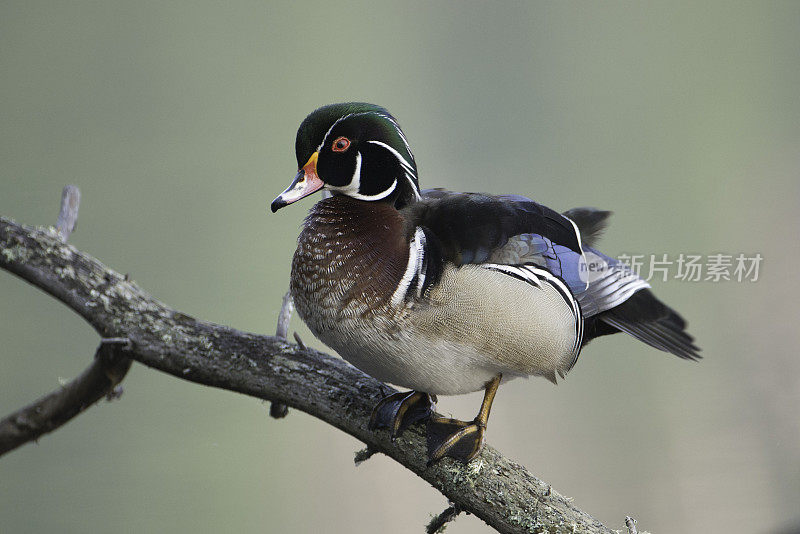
[409, 172]
[325, 137]
[400, 158]
[388, 118]
[416, 253]
[399, 131]
[355, 181]
[379, 114]
[359, 196]
[413, 185]
[352, 188]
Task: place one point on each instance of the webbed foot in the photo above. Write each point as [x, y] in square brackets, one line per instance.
[401, 410]
[461, 440]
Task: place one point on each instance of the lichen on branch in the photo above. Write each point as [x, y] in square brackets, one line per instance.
[502, 493]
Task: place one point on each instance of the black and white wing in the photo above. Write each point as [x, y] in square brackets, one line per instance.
[519, 237]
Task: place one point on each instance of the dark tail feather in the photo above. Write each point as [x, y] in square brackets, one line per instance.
[649, 320]
[590, 221]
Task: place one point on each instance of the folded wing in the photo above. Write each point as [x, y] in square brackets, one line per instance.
[511, 230]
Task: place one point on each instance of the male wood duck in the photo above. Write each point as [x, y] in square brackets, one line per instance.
[446, 293]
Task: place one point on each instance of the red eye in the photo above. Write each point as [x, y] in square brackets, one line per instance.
[341, 144]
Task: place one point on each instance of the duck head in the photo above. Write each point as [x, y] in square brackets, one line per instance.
[354, 149]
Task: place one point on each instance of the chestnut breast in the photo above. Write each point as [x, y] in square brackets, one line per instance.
[350, 256]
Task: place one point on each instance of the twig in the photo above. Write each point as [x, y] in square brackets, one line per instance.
[276, 409]
[285, 315]
[363, 455]
[68, 214]
[502, 493]
[51, 411]
[299, 341]
[100, 379]
[438, 523]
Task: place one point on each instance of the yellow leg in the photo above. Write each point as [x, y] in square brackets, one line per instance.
[488, 399]
[460, 439]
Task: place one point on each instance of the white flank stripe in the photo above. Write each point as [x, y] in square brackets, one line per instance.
[573, 303]
[416, 253]
[576, 309]
[515, 270]
[536, 276]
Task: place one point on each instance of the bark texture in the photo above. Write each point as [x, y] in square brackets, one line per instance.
[502, 493]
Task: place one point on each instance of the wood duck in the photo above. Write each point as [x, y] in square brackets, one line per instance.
[446, 293]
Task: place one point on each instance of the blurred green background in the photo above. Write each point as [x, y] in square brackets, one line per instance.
[177, 121]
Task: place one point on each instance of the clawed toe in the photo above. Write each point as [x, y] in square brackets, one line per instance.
[461, 440]
[401, 410]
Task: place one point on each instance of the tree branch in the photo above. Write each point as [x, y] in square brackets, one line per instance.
[51, 411]
[502, 493]
[99, 380]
